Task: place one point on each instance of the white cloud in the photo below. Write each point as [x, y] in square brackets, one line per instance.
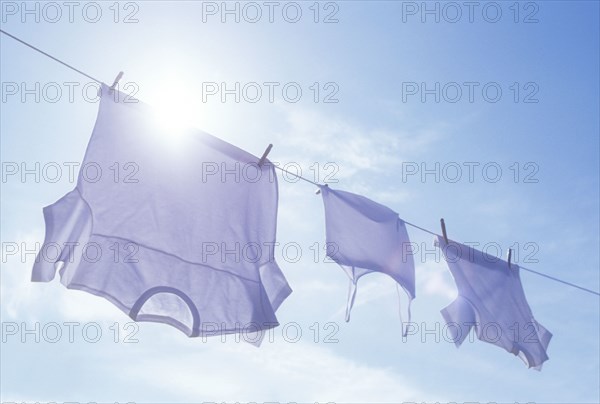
[317, 286]
[280, 371]
[17, 291]
[371, 287]
[434, 280]
[352, 147]
[25, 300]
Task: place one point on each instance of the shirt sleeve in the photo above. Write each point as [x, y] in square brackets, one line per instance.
[460, 318]
[68, 222]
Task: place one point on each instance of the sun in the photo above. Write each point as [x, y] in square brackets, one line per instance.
[173, 109]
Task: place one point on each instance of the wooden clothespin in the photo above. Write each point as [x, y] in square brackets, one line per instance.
[444, 230]
[114, 84]
[265, 154]
[509, 256]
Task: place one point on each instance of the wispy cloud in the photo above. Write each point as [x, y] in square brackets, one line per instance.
[301, 372]
[315, 136]
[25, 300]
[432, 280]
[18, 292]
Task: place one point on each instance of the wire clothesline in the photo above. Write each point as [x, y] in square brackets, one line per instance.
[291, 173]
[51, 57]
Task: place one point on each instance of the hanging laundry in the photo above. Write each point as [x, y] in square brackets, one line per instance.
[364, 236]
[171, 229]
[491, 299]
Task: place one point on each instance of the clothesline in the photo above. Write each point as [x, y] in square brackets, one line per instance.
[51, 57]
[291, 173]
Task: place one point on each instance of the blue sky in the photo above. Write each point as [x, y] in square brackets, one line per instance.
[547, 133]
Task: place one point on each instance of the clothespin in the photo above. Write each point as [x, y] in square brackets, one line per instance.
[444, 230]
[265, 154]
[114, 84]
[509, 256]
[318, 191]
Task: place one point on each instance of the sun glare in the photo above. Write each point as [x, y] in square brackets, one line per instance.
[174, 110]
